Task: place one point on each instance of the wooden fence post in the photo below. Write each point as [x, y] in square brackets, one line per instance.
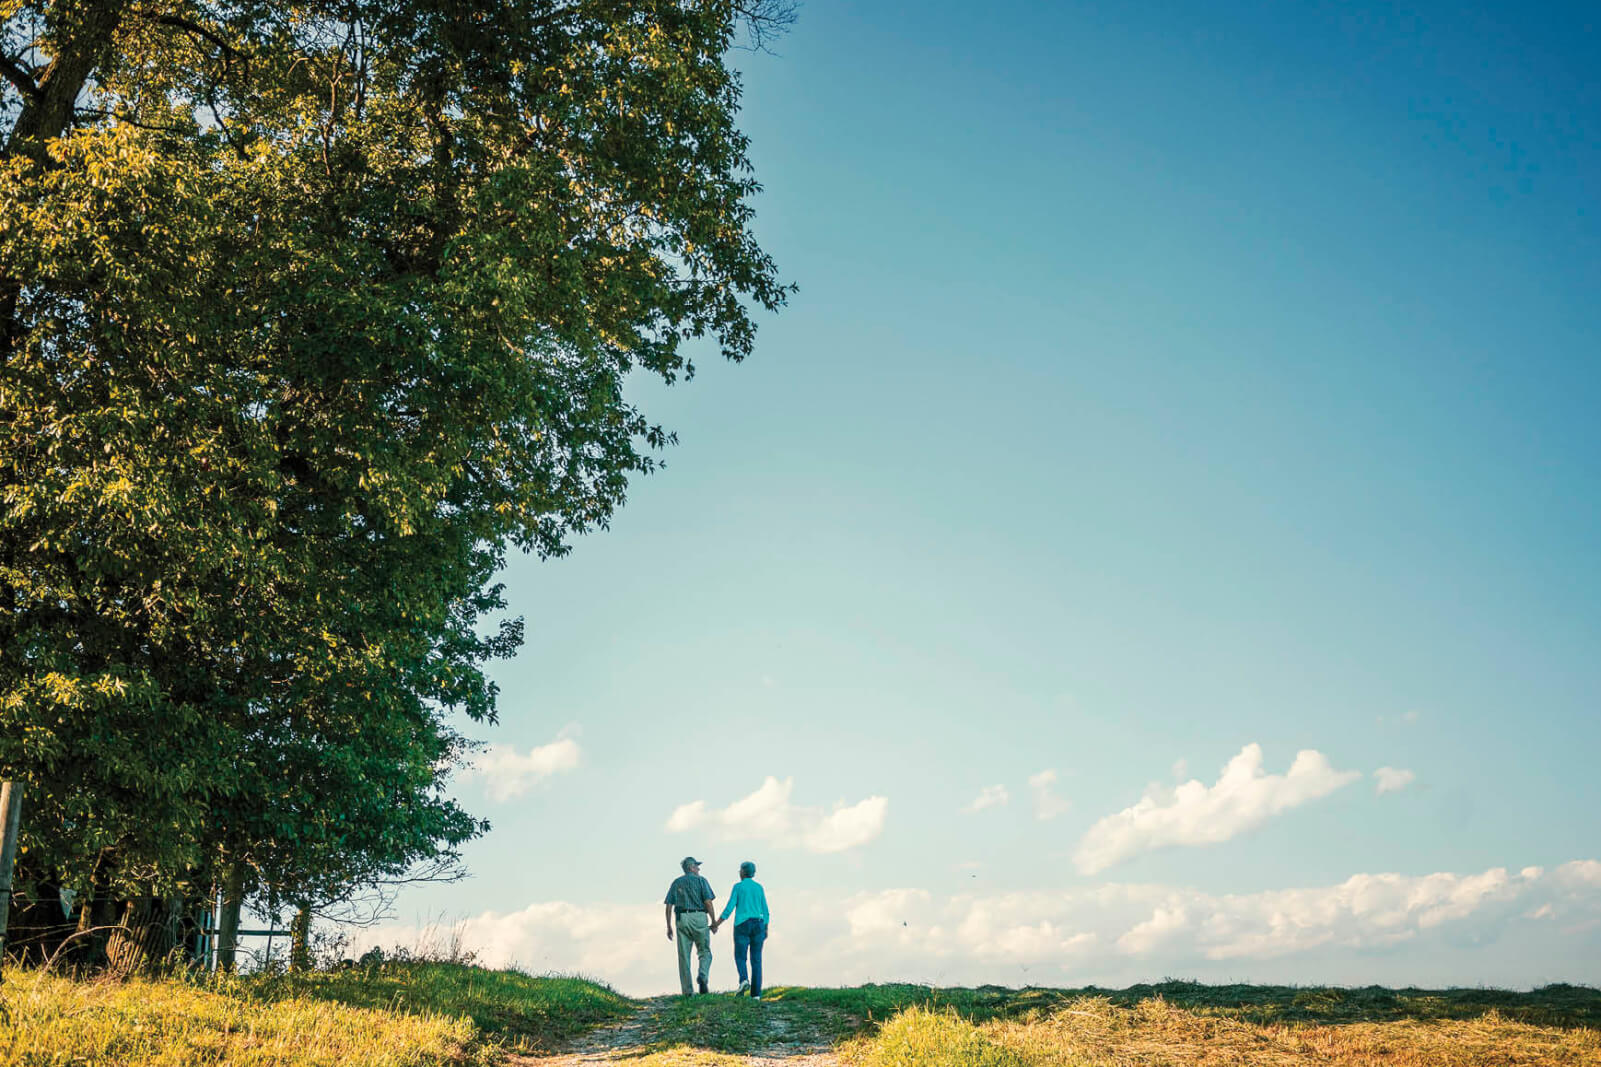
[10, 830]
[233, 898]
[300, 939]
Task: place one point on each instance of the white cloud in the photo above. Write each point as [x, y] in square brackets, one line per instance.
[1364, 911]
[1179, 926]
[1110, 934]
[508, 773]
[1165, 923]
[766, 813]
[1392, 779]
[849, 826]
[1193, 813]
[547, 936]
[1578, 875]
[883, 915]
[769, 814]
[991, 796]
[994, 928]
[1047, 803]
[687, 817]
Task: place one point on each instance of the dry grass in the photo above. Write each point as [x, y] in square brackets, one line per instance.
[1095, 1031]
[925, 1037]
[406, 1014]
[447, 1015]
[685, 1056]
[56, 1020]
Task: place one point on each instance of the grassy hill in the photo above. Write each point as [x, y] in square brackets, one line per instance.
[397, 1015]
[1183, 1024]
[440, 1014]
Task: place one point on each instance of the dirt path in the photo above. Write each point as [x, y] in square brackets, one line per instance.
[605, 1044]
[622, 1042]
[794, 1050]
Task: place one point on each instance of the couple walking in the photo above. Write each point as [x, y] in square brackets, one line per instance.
[689, 900]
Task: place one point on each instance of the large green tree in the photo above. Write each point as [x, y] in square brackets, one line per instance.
[308, 313]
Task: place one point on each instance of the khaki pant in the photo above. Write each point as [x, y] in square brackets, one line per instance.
[694, 929]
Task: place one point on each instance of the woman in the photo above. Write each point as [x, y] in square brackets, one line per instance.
[748, 903]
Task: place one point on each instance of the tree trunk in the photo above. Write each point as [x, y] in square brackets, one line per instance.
[300, 940]
[81, 44]
[146, 934]
[96, 916]
[233, 898]
[189, 926]
[10, 828]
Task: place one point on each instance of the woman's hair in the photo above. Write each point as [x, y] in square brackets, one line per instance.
[747, 869]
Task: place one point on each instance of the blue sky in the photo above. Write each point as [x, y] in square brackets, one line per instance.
[1164, 380]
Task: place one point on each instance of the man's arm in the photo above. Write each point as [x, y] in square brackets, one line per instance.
[669, 922]
[707, 904]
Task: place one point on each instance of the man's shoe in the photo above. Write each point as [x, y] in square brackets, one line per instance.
[703, 988]
[744, 986]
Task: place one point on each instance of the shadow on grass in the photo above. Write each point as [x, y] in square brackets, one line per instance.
[1562, 1006]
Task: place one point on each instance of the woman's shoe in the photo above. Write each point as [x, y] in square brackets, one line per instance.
[744, 986]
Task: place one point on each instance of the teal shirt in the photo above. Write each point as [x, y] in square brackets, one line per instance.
[746, 901]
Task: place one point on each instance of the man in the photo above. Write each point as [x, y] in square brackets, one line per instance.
[748, 902]
[689, 900]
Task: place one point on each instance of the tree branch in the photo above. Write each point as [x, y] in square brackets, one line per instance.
[178, 22]
[125, 118]
[765, 20]
[228, 52]
[20, 78]
[222, 123]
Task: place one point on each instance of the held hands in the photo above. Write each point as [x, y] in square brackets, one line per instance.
[715, 924]
[669, 933]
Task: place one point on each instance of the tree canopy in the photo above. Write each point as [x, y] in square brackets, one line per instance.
[308, 313]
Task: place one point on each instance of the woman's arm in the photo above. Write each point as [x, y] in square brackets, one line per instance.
[733, 895]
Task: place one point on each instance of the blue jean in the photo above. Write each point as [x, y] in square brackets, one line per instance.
[748, 937]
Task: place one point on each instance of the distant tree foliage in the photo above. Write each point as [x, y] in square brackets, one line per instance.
[308, 313]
